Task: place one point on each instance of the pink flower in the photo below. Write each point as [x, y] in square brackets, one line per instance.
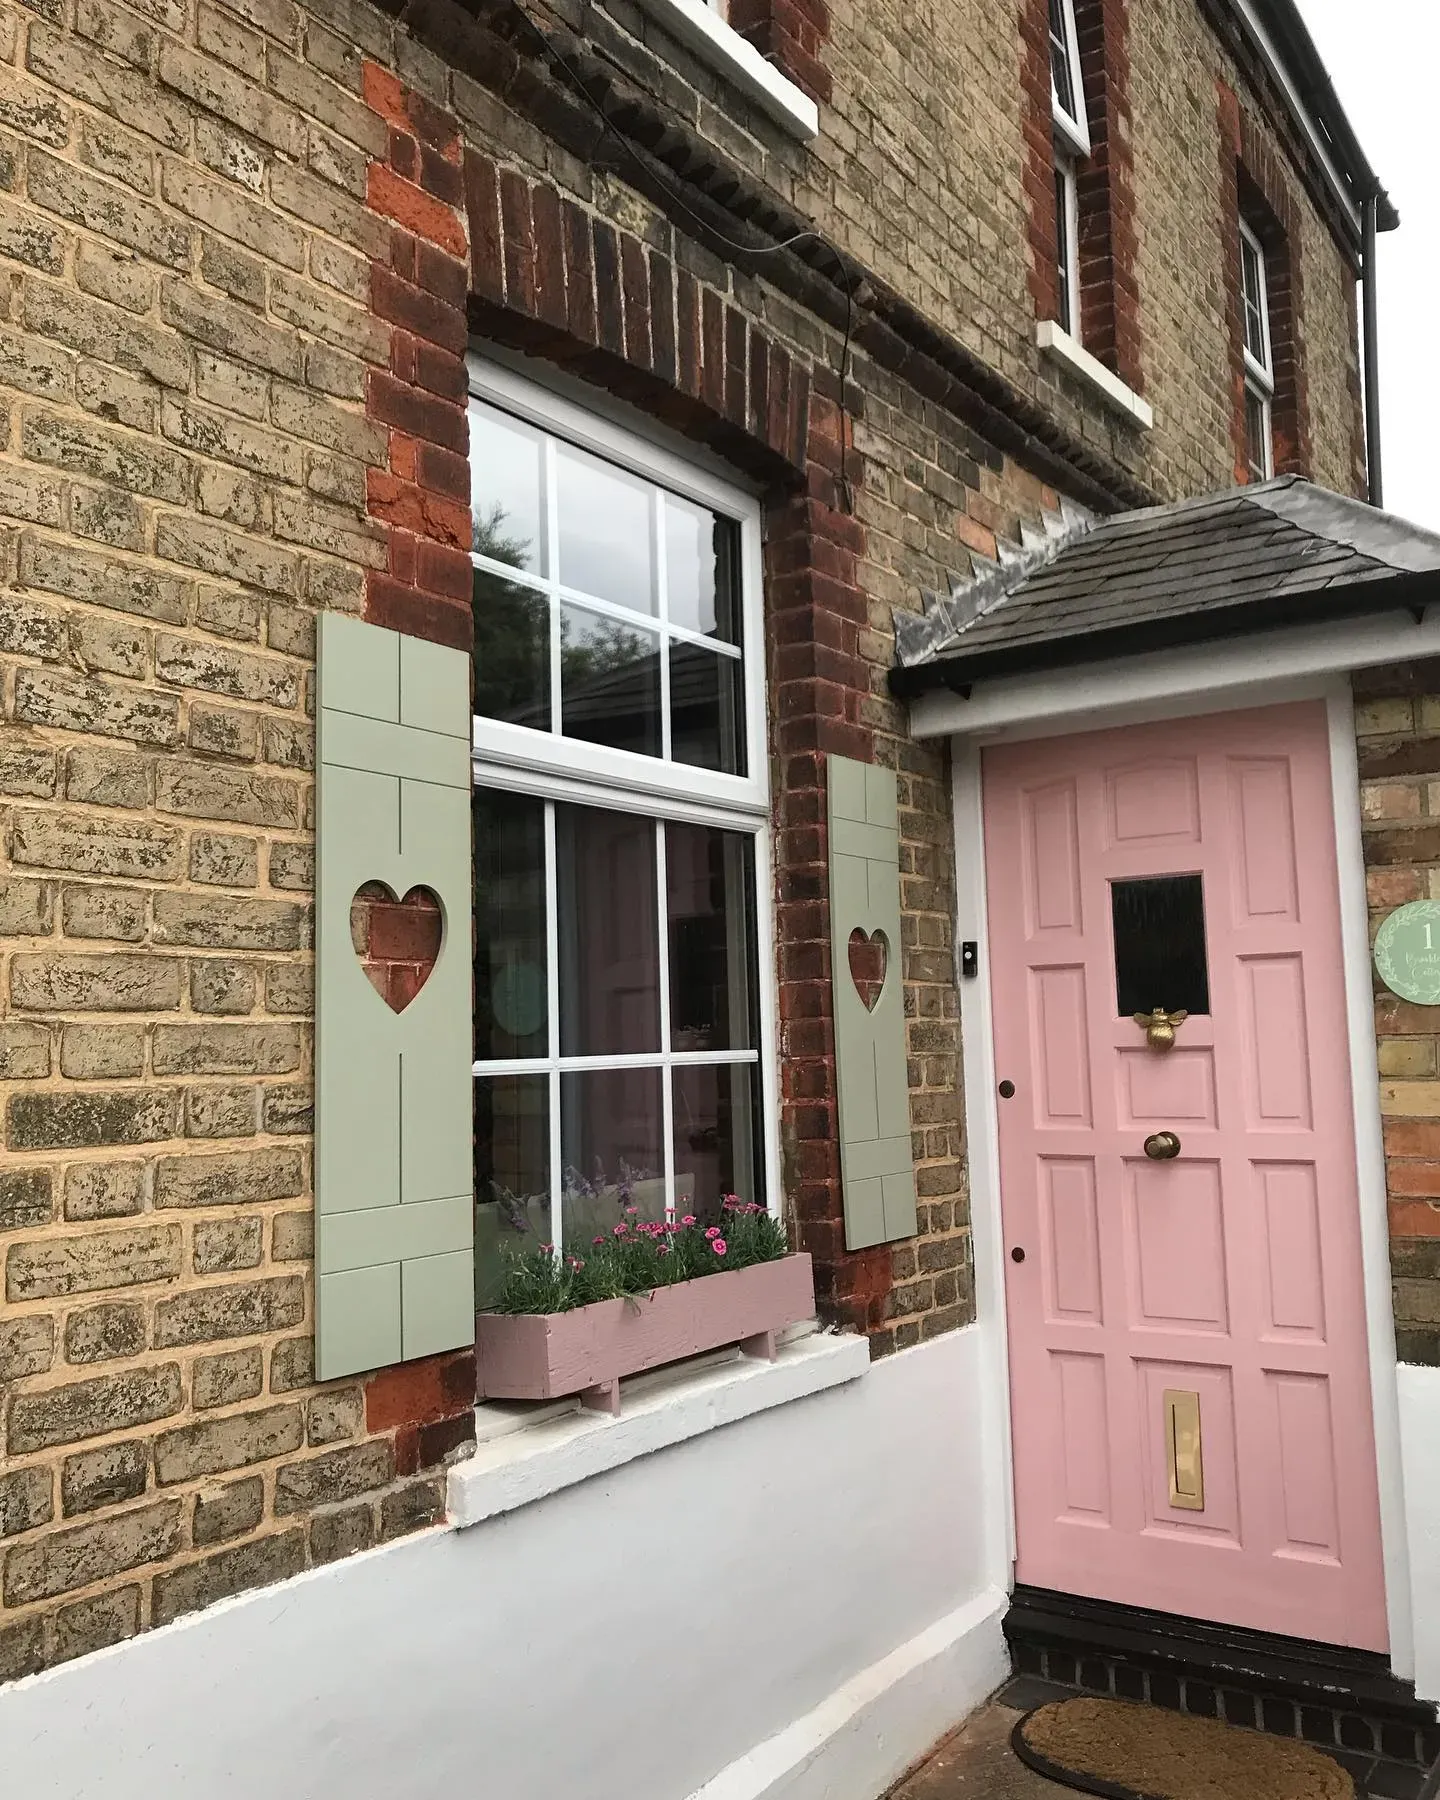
[719, 1246]
[549, 1249]
[598, 1240]
[620, 1230]
[632, 1210]
[689, 1219]
[712, 1231]
[575, 1263]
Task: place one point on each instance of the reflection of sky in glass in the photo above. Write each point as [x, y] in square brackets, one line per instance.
[690, 564]
[505, 489]
[604, 531]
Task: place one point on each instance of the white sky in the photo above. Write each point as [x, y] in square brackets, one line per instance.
[1383, 56]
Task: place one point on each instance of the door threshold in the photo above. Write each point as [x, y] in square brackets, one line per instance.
[1324, 1694]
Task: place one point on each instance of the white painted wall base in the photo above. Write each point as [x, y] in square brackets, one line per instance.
[1419, 1393]
[789, 1607]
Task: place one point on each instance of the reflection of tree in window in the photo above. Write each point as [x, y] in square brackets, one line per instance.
[512, 630]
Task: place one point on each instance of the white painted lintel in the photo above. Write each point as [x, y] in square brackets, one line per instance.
[1081, 694]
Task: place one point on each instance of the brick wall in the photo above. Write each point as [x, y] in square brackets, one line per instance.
[1185, 157]
[203, 377]
[1398, 732]
[237, 241]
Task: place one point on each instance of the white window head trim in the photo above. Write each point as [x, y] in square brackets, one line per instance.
[611, 881]
[1067, 89]
[700, 25]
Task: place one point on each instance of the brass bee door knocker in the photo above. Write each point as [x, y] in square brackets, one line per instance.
[1159, 1027]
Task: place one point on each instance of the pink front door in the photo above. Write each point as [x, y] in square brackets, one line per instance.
[1190, 1392]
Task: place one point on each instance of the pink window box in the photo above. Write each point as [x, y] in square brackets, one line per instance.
[546, 1356]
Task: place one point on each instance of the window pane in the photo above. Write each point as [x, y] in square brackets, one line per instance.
[605, 539]
[1062, 244]
[707, 709]
[1160, 945]
[717, 1137]
[710, 887]
[511, 1014]
[611, 1150]
[1254, 302]
[609, 682]
[609, 941]
[512, 651]
[1060, 60]
[702, 570]
[505, 488]
[1257, 435]
[512, 1172]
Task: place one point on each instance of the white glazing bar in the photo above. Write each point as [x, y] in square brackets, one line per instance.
[662, 607]
[549, 501]
[640, 1059]
[667, 1079]
[552, 1008]
[609, 609]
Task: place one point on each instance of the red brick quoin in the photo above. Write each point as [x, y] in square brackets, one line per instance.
[1104, 182]
[555, 280]
[1253, 186]
[422, 497]
[790, 33]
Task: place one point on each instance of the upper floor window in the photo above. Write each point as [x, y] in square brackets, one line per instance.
[1072, 140]
[1259, 360]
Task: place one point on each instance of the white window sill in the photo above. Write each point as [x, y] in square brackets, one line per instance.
[702, 29]
[1058, 344]
[524, 1453]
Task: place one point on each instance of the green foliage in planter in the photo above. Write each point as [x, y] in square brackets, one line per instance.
[639, 1255]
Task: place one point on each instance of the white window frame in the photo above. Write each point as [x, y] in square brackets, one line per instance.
[1259, 371]
[558, 770]
[1072, 127]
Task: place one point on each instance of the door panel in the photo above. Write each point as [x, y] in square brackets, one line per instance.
[1189, 1381]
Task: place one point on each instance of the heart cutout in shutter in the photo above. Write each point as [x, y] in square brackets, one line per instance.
[869, 963]
[397, 941]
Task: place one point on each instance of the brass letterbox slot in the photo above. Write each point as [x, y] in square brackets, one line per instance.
[1183, 1456]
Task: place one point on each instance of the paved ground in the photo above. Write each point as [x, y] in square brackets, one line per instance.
[977, 1763]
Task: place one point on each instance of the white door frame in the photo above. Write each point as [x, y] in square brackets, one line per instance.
[1168, 685]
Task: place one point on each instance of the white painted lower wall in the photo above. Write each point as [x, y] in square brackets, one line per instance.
[792, 1607]
[1419, 1394]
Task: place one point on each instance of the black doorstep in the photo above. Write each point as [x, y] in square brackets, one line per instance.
[1338, 1699]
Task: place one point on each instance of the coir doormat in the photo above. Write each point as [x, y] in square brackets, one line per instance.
[1126, 1752]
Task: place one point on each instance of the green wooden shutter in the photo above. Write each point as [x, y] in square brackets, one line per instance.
[394, 1211]
[876, 1166]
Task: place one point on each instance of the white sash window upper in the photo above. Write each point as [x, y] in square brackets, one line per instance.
[1259, 361]
[1067, 92]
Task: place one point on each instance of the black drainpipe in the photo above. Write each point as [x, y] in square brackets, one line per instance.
[1372, 356]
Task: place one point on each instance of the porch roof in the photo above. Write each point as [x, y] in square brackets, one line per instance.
[1086, 589]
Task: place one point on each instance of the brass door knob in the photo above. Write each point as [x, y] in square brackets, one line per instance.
[1162, 1146]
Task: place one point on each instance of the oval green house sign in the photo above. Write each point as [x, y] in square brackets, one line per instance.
[1407, 952]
